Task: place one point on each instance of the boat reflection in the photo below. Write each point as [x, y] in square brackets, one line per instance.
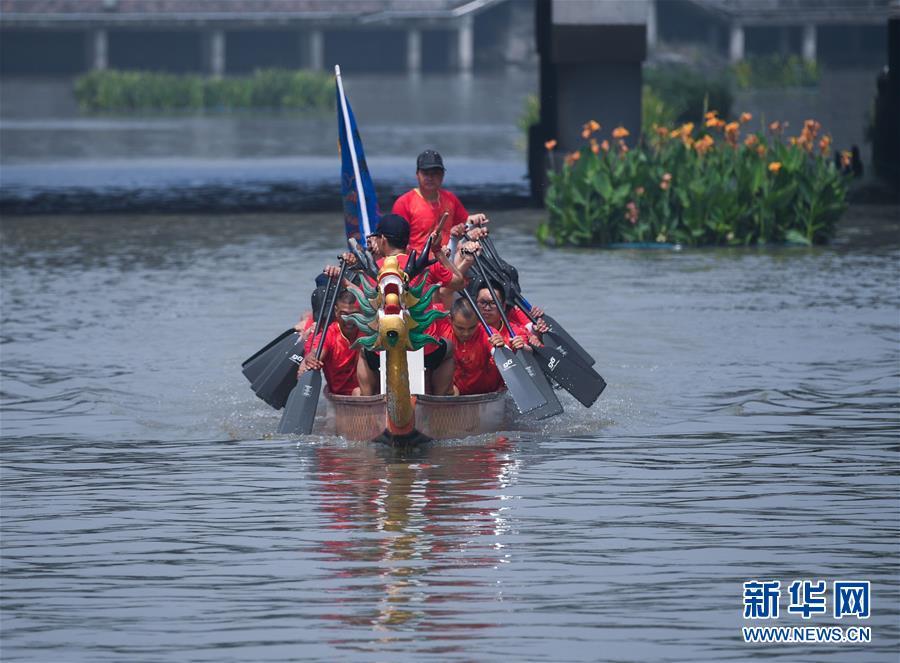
[414, 536]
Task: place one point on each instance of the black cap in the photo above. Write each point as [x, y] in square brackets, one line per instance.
[429, 159]
[395, 229]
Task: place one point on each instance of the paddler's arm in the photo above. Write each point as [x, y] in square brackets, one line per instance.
[465, 258]
[456, 283]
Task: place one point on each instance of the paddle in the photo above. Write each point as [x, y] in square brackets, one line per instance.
[524, 392]
[582, 381]
[556, 359]
[276, 382]
[300, 411]
[253, 367]
[561, 336]
[552, 406]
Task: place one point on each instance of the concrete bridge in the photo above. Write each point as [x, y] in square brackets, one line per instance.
[233, 36]
[784, 27]
[222, 37]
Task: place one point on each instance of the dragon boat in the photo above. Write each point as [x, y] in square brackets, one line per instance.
[395, 311]
[394, 314]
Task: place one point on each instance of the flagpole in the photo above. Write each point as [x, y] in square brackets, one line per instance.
[351, 144]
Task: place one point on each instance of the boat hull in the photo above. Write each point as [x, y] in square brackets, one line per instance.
[437, 417]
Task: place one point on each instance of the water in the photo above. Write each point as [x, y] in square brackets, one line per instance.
[749, 430]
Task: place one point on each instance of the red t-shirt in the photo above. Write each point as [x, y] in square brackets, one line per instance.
[517, 317]
[475, 371]
[339, 360]
[423, 215]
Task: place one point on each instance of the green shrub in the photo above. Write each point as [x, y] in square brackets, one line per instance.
[140, 91]
[687, 93]
[775, 71]
[706, 187]
[654, 111]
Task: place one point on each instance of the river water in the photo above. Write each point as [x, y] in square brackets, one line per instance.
[749, 431]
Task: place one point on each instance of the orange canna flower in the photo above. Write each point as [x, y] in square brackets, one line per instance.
[751, 140]
[667, 177]
[775, 127]
[711, 115]
[588, 128]
[761, 150]
[675, 133]
[746, 117]
[704, 144]
[572, 157]
[604, 145]
[620, 132]
[731, 132]
[623, 148]
[595, 148]
[662, 132]
[825, 145]
[846, 158]
[550, 144]
[774, 167]
[631, 212]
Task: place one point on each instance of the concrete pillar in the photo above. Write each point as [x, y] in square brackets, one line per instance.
[712, 37]
[809, 43]
[414, 50]
[652, 34]
[465, 49]
[316, 53]
[736, 43]
[99, 50]
[784, 40]
[215, 57]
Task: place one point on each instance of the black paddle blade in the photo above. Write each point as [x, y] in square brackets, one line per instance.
[253, 367]
[300, 412]
[583, 382]
[562, 336]
[553, 407]
[276, 382]
[524, 392]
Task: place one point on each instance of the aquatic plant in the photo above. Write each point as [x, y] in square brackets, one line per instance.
[686, 93]
[123, 91]
[710, 185]
[775, 71]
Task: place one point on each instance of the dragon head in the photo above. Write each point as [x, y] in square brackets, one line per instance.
[394, 313]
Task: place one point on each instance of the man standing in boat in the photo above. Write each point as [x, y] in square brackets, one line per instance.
[423, 206]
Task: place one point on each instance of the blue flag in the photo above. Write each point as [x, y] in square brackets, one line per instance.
[357, 191]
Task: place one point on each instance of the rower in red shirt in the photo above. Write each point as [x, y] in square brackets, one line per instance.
[475, 371]
[423, 206]
[338, 361]
[514, 337]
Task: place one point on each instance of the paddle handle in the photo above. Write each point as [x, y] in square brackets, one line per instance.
[493, 294]
[330, 311]
[322, 307]
[481, 319]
